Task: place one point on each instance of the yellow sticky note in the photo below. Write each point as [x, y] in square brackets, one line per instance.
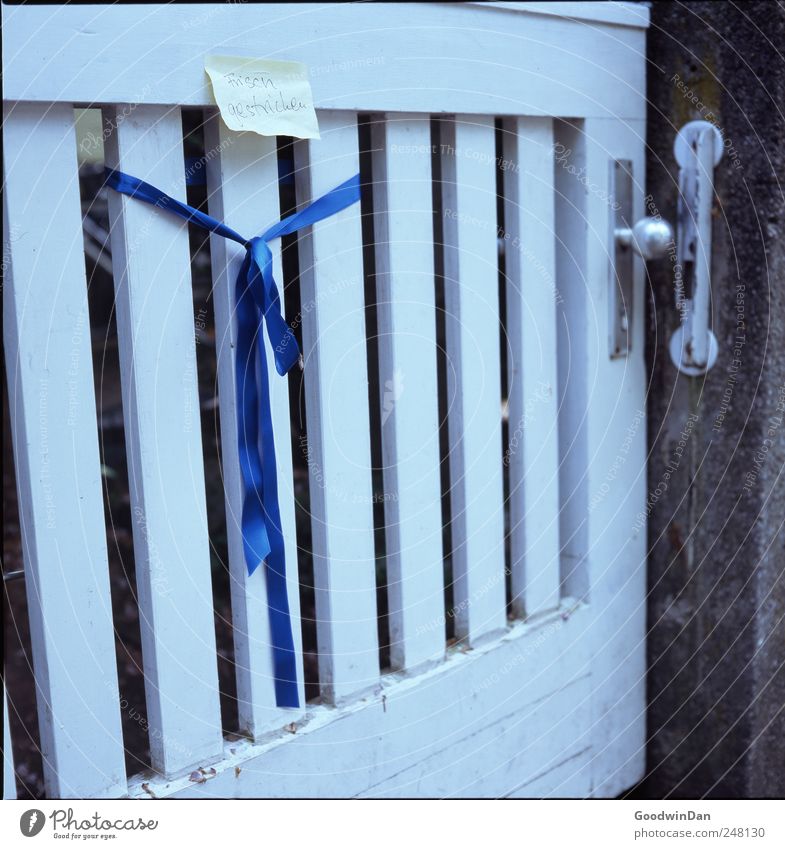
[264, 96]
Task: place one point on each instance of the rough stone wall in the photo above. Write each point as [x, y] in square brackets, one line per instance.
[717, 542]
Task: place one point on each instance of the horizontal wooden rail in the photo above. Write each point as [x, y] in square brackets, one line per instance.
[362, 57]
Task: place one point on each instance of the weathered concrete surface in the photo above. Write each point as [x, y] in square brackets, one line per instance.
[717, 558]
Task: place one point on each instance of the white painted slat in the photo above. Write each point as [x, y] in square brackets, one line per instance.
[9, 776]
[473, 369]
[403, 220]
[242, 180]
[336, 384]
[616, 488]
[532, 452]
[53, 423]
[575, 316]
[155, 327]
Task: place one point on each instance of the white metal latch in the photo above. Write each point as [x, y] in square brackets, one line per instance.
[698, 148]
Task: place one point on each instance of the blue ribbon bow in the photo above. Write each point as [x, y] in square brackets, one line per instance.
[256, 293]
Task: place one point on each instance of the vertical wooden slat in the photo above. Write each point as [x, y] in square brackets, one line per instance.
[155, 327]
[473, 368]
[9, 775]
[242, 179]
[575, 317]
[614, 498]
[336, 383]
[53, 423]
[403, 219]
[532, 453]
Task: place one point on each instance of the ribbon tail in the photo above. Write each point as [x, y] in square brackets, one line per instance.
[256, 543]
[284, 657]
[261, 521]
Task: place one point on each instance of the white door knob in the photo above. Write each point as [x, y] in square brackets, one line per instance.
[652, 238]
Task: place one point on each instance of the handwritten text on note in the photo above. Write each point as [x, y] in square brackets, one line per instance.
[263, 95]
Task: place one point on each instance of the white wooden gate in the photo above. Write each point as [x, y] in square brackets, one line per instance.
[547, 700]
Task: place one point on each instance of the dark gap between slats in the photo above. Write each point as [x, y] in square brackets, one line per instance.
[208, 415]
[18, 658]
[441, 372]
[374, 386]
[293, 308]
[504, 354]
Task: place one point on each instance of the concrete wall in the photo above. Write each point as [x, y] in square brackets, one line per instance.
[717, 495]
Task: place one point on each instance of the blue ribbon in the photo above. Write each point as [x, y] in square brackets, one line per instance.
[256, 294]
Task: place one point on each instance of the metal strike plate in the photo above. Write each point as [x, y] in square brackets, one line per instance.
[649, 238]
[622, 258]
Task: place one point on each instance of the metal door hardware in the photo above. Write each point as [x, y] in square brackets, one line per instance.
[698, 148]
[650, 238]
